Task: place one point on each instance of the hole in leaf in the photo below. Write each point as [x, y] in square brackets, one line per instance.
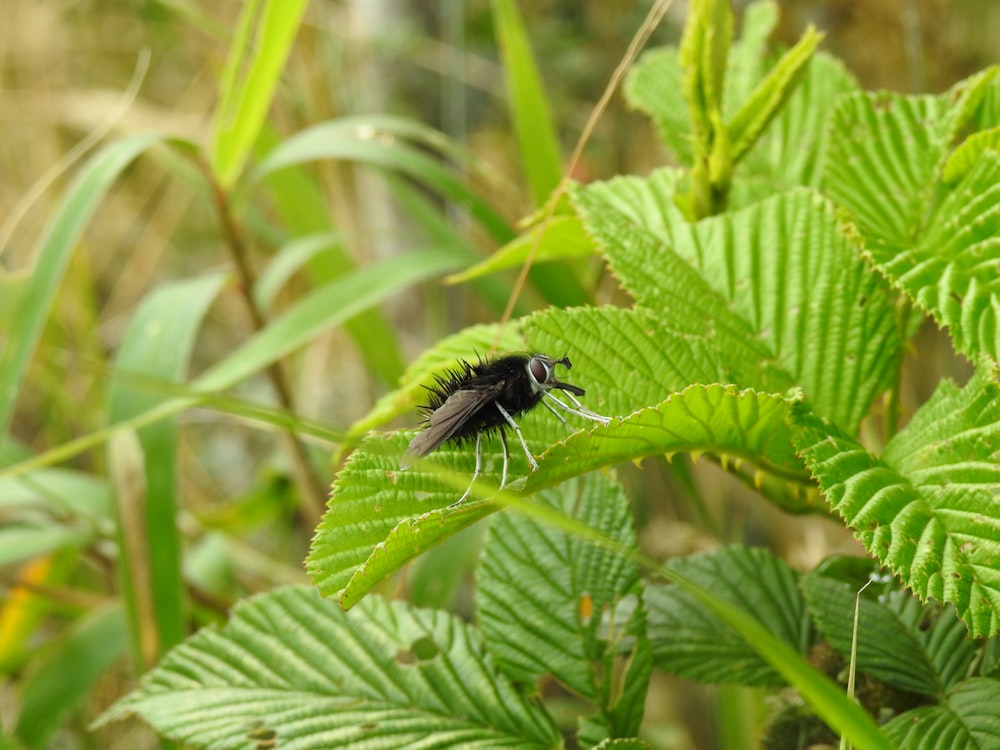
[422, 649]
[264, 737]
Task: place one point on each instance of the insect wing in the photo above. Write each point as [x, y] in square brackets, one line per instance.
[446, 420]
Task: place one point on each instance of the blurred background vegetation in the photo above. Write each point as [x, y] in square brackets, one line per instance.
[65, 64]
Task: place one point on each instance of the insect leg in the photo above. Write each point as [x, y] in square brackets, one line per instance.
[513, 424]
[506, 458]
[475, 474]
[558, 416]
[580, 411]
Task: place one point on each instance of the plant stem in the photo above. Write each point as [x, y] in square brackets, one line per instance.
[312, 490]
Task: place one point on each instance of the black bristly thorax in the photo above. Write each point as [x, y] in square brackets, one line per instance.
[506, 379]
[484, 397]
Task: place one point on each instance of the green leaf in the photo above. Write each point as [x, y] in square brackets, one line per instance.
[552, 603]
[626, 359]
[886, 156]
[249, 80]
[886, 153]
[380, 516]
[748, 54]
[898, 640]
[771, 94]
[719, 419]
[293, 668]
[768, 281]
[791, 151]
[629, 359]
[967, 720]
[536, 135]
[158, 342]
[372, 501]
[703, 54]
[693, 642]
[35, 295]
[653, 86]
[950, 270]
[966, 156]
[561, 239]
[926, 508]
[373, 526]
[66, 674]
[407, 540]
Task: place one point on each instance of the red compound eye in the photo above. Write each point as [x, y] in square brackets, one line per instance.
[540, 370]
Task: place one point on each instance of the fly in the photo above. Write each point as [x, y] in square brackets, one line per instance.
[483, 398]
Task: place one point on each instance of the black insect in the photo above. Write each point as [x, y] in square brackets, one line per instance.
[483, 398]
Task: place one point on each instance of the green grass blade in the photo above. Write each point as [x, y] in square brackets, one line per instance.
[158, 342]
[288, 261]
[29, 311]
[324, 307]
[244, 99]
[68, 672]
[536, 135]
[21, 542]
[827, 698]
[353, 141]
[298, 199]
